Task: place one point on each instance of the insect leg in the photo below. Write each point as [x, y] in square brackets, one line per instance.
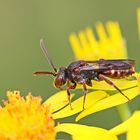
[69, 87]
[85, 93]
[69, 99]
[101, 76]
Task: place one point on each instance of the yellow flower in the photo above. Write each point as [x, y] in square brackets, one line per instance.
[25, 119]
[131, 127]
[59, 100]
[83, 132]
[29, 119]
[109, 45]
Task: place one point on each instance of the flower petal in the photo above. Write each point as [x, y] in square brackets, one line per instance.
[121, 128]
[121, 83]
[76, 45]
[130, 126]
[58, 100]
[134, 134]
[109, 102]
[86, 46]
[83, 132]
[77, 104]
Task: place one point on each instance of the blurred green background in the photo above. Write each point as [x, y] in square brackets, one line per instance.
[23, 23]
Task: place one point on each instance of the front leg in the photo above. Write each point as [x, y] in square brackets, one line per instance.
[69, 87]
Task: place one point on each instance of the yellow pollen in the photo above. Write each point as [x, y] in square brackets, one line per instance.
[25, 118]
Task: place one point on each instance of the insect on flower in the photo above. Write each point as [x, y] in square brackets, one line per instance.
[82, 72]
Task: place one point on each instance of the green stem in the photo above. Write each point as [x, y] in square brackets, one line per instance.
[124, 111]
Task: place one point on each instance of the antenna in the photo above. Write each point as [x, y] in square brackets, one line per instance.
[45, 51]
[44, 73]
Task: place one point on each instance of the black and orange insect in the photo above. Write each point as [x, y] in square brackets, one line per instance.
[83, 72]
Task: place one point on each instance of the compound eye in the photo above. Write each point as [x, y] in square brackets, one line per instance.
[60, 79]
[58, 82]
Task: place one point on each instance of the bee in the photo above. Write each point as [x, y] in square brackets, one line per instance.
[83, 72]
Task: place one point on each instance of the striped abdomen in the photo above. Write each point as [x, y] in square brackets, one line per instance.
[119, 73]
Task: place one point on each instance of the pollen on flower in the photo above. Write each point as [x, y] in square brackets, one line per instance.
[25, 118]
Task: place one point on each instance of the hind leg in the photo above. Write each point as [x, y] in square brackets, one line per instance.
[101, 76]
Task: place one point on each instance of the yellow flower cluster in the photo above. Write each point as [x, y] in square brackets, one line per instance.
[25, 119]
